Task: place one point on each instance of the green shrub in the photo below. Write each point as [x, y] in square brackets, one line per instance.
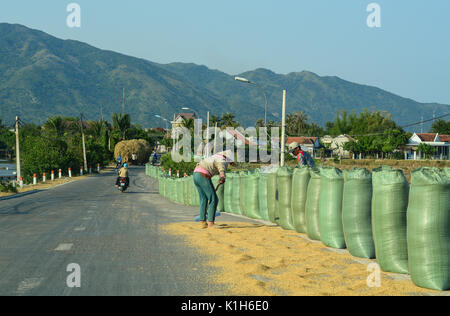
[7, 187]
[184, 167]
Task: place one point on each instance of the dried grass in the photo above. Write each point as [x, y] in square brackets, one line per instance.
[127, 148]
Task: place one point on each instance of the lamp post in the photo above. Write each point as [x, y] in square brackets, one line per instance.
[244, 80]
[164, 119]
[189, 109]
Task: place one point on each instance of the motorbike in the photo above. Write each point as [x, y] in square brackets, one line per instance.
[123, 186]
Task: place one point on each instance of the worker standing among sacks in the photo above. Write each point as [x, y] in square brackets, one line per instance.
[304, 158]
[205, 170]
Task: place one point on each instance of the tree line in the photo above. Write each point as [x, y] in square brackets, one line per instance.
[57, 144]
[373, 133]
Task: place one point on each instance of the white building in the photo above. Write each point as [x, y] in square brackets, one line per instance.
[336, 144]
[440, 142]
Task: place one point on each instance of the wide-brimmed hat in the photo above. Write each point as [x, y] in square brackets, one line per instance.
[227, 154]
[293, 146]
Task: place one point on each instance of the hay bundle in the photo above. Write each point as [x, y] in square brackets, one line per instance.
[127, 148]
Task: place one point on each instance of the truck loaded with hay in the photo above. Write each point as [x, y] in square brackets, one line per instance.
[127, 148]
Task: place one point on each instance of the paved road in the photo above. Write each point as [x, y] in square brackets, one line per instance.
[116, 239]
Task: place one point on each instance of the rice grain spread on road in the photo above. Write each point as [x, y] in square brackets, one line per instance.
[259, 260]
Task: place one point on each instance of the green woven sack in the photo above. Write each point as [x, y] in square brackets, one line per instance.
[172, 192]
[300, 181]
[389, 206]
[312, 206]
[189, 193]
[284, 183]
[447, 172]
[272, 205]
[236, 192]
[262, 195]
[429, 229]
[228, 191]
[330, 208]
[160, 185]
[166, 186]
[180, 188]
[252, 197]
[243, 177]
[357, 213]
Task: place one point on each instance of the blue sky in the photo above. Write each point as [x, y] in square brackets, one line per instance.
[409, 55]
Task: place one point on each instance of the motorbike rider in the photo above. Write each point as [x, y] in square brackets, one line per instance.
[119, 162]
[154, 158]
[123, 174]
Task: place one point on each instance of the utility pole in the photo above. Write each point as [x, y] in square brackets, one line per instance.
[123, 103]
[19, 173]
[215, 139]
[84, 144]
[283, 130]
[208, 152]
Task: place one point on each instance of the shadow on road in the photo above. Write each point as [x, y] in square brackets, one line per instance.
[141, 193]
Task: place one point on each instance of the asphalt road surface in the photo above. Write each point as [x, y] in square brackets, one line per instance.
[114, 239]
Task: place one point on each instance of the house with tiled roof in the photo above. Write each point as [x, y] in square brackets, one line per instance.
[178, 121]
[239, 138]
[440, 142]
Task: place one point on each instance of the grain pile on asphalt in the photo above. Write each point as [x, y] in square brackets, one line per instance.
[256, 260]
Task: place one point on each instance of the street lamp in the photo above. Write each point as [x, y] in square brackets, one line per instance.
[189, 109]
[164, 119]
[244, 80]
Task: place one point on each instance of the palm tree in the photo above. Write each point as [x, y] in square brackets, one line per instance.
[121, 123]
[297, 123]
[228, 120]
[96, 129]
[215, 119]
[56, 125]
[189, 124]
[260, 123]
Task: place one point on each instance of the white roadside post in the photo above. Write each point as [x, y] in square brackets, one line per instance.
[90, 169]
[70, 173]
[21, 182]
[178, 173]
[81, 171]
[170, 172]
[53, 175]
[34, 179]
[44, 178]
[60, 173]
[98, 168]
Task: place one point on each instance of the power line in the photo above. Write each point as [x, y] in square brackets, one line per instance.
[421, 122]
[403, 127]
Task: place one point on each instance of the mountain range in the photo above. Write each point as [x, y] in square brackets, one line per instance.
[43, 76]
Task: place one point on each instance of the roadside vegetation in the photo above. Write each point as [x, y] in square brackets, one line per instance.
[57, 143]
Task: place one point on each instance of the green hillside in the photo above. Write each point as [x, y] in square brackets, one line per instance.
[42, 76]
